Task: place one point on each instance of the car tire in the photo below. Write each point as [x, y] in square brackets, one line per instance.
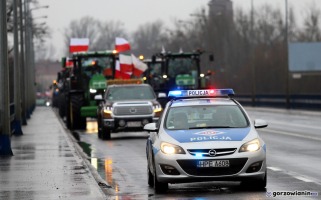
[105, 133]
[259, 184]
[159, 187]
[150, 177]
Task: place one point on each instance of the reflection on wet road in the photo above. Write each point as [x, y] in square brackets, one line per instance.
[121, 161]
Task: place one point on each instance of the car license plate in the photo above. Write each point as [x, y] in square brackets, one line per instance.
[213, 163]
[134, 124]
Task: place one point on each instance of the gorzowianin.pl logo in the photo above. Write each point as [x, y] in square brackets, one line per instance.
[292, 193]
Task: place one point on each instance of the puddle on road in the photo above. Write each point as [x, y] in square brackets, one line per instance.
[104, 167]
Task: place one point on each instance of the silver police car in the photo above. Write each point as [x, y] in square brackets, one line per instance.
[205, 135]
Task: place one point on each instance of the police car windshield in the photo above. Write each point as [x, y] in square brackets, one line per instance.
[200, 117]
[138, 92]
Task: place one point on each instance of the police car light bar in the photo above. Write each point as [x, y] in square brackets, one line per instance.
[201, 93]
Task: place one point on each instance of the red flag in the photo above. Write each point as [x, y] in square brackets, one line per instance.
[119, 74]
[139, 66]
[121, 45]
[78, 45]
[126, 63]
[69, 63]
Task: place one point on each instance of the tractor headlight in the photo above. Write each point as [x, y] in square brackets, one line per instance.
[168, 148]
[92, 90]
[251, 146]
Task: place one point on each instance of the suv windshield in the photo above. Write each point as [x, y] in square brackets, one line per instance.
[198, 117]
[130, 93]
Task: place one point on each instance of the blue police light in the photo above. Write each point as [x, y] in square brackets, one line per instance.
[199, 155]
[175, 93]
[201, 93]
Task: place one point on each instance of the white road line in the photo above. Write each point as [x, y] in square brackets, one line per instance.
[297, 125]
[274, 169]
[293, 134]
[303, 179]
[295, 175]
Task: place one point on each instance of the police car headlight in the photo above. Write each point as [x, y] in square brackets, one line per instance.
[168, 148]
[253, 145]
[92, 90]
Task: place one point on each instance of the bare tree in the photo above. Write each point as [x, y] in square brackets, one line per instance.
[86, 27]
[149, 38]
[311, 31]
[108, 31]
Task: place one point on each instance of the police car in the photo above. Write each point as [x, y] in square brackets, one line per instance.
[205, 135]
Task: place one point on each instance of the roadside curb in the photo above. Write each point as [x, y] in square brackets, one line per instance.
[105, 188]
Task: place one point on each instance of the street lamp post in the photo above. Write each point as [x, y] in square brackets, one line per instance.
[17, 88]
[286, 39]
[5, 130]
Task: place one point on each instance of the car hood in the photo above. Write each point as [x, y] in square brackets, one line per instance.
[203, 135]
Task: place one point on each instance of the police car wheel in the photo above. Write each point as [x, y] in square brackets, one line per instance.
[150, 177]
[159, 186]
[259, 184]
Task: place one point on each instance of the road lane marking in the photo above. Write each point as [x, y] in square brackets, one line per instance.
[295, 175]
[274, 169]
[292, 134]
[303, 179]
[297, 125]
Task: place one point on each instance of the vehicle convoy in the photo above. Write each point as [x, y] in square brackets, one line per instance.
[87, 79]
[126, 104]
[205, 135]
[169, 71]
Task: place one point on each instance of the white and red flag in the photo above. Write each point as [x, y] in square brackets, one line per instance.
[69, 62]
[126, 63]
[78, 45]
[121, 45]
[139, 66]
[119, 74]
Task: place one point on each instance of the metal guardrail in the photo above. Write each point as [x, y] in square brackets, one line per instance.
[279, 101]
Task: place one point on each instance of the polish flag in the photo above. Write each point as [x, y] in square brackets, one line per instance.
[78, 45]
[121, 45]
[119, 74]
[69, 63]
[126, 63]
[139, 66]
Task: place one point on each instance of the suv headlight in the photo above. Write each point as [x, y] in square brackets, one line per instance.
[168, 148]
[251, 146]
[157, 108]
[107, 112]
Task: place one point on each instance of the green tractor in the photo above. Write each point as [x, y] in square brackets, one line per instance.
[88, 79]
[175, 71]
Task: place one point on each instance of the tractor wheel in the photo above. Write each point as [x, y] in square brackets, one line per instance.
[62, 105]
[76, 120]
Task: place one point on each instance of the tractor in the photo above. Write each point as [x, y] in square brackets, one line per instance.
[87, 79]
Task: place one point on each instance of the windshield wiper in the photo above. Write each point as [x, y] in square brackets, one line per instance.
[211, 127]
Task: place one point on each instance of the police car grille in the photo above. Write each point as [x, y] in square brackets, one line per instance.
[205, 152]
[190, 167]
[133, 110]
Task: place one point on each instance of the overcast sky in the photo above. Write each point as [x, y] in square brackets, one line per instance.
[136, 12]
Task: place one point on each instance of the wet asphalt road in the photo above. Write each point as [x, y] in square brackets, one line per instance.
[293, 158]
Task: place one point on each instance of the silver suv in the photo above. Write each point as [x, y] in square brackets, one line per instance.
[127, 106]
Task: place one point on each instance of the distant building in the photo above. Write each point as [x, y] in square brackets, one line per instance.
[221, 7]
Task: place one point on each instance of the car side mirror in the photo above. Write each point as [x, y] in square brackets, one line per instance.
[98, 97]
[150, 127]
[259, 123]
[162, 95]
